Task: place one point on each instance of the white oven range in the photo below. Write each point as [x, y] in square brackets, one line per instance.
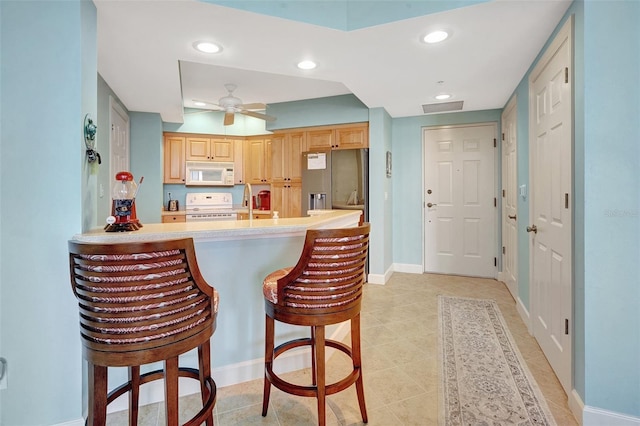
[209, 206]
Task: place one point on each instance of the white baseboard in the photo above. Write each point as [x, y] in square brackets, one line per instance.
[576, 406]
[593, 416]
[408, 268]
[77, 422]
[380, 278]
[524, 314]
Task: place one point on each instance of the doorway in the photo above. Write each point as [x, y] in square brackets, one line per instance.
[118, 141]
[460, 200]
[551, 203]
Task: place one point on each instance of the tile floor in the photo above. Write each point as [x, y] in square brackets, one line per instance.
[400, 367]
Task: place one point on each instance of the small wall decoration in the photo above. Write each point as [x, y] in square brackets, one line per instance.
[90, 130]
[388, 163]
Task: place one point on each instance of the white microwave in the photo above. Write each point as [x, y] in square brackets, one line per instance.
[201, 173]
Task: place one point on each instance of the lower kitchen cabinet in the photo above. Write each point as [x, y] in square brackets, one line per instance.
[174, 218]
[286, 199]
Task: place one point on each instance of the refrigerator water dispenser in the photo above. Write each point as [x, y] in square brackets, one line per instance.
[318, 201]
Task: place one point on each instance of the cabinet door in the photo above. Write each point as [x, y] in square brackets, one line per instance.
[222, 149]
[174, 162]
[256, 166]
[320, 139]
[278, 172]
[294, 156]
[267, 162]
[238, 161]
[198, 149]
[352, 137]
[294, 201]
[277, 198]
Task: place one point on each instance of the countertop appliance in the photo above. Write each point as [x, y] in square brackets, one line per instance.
[204, 173]
[211, 206]
[335, 179]
[263, 200]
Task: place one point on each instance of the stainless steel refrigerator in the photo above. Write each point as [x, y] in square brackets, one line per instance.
[336, 179]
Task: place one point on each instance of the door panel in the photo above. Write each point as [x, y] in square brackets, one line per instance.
[551, 188]
[509, 274]
[459, 195]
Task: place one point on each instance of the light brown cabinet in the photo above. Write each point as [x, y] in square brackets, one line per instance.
[209, 149]
[257, 165]
[286, 156]
[286, 198]
[174, 218]
[238, 162]
[349, 136]
[174, 159]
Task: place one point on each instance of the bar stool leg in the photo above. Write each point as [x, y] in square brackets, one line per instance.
[320, 374]
[268, 361]
[314, 379]
[171, 390]
[356, 351]
[204, 367]
[97, 395]
[134, 394]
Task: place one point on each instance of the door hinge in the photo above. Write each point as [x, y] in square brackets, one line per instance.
[566, 74]
[495, 202]
[566, 200]
[502, 135]
[503, 193]
[503, 250]
[566, 326]
[495, 261]
[494, 142]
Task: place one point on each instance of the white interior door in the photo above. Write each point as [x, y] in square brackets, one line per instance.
[460, 212]
[550, 151]
[509, 274]
[118, 141]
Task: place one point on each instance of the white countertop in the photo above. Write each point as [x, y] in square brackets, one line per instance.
[226, 230]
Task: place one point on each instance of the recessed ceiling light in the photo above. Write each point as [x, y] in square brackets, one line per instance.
[207, 47]
[307, 65]
[443, 96]
[436, 36]
[201, 104]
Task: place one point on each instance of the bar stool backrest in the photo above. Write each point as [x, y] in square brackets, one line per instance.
[329, 275]
[140, 302]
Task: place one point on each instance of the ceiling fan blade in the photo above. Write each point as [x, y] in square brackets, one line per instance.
[258, 115]
[228, 118]
[252, 106]
[206, 102]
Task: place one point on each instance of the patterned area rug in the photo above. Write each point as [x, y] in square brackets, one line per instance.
[484, 380]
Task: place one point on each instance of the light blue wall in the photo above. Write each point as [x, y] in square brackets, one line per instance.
[48, 84]
[407, 178]
[317, 112]
[612, 205]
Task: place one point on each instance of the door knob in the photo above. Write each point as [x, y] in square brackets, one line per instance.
[512, 217]
[533, 229]
[431, 205]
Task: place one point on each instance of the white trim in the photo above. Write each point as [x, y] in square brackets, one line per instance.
[77, 422]
[576, 405]
[524, 314]
[380, 278]
[408, 268]
[593, 416]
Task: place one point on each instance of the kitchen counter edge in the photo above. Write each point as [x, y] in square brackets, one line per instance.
[225, 230]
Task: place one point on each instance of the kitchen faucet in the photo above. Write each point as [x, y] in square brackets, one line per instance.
[249, 200]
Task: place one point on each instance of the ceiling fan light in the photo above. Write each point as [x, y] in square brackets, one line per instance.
[207, 47]
[307, 65]
[443, 96]
[436, 36]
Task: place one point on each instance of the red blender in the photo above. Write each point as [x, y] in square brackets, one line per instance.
[123, 208]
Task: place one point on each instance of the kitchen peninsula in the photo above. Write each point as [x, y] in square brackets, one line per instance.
[234, 257]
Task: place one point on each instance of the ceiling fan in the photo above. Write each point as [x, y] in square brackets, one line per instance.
[232, 105]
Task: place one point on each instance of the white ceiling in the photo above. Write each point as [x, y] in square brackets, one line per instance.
[145, 54]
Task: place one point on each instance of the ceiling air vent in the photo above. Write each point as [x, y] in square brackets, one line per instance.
[442, 107]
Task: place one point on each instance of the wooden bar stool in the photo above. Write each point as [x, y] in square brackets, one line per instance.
[323, 288]
[141, 303]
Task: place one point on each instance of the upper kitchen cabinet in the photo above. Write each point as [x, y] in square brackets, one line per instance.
[257, 156]
[238, 161]
[174, 159]
[286, 155]
[347, 136]
[210, 149]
